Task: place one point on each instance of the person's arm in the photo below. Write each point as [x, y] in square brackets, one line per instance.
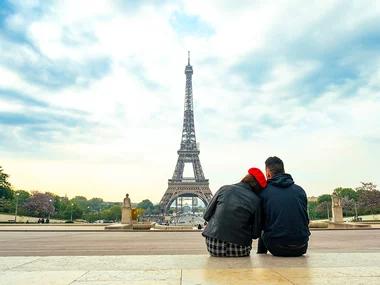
[211, 206]
[258, 222]
[308, 220]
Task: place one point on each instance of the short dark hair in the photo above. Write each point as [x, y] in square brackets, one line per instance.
[275, 165]
[252, 182]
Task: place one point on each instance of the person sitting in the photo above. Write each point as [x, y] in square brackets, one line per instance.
[234, 217]
[286, 222]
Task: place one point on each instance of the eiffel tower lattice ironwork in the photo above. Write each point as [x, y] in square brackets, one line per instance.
[180, 186]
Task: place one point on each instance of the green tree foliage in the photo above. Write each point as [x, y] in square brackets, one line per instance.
[77, 211]
[324, 198]
[5, 205]
[313, 214]
[5, 185]
[348, 193]
[23, 196]
[96, 204]
[145, 204]
[324, 209]
[149, 208]
[349, 198]
[59, 209]
[114, 213]
[80, 200]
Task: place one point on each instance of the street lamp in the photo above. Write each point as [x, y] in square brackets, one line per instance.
[72, 212]
[50, 200]
[16, 206]
[328, 212]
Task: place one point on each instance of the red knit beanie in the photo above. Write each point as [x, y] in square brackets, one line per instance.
[259, 175]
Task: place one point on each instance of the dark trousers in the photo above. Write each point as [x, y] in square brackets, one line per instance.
[278, 248]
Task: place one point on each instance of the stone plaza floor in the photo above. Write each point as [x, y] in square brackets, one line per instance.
[313, 268]
[335, 257]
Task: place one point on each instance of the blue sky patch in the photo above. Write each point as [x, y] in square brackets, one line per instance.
[190, 25]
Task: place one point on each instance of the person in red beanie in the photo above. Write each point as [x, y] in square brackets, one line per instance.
[234, 216]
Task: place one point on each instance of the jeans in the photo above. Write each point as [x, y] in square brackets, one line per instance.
[278, 248]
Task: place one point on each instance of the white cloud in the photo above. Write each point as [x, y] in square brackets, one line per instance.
[134, 112]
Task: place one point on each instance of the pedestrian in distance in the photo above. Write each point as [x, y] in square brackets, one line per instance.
[234, 217]
[286, 222]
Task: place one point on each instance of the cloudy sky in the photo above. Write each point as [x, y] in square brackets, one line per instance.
[92, 92]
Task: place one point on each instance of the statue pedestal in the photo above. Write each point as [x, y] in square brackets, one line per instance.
[337, 214]
[126, 215]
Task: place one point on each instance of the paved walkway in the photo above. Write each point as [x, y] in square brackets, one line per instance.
[86, 257]
[314, 268]
[33, 243]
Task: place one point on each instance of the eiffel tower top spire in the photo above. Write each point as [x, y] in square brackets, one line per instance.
[188, 142]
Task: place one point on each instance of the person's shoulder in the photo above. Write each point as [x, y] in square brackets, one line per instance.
[298, 187]
[224, 188]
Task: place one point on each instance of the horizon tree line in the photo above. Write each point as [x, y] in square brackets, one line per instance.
[363, 200]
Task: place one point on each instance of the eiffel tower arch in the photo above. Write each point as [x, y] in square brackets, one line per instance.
[180, 187]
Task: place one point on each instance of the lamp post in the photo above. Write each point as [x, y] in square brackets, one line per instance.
[356, 212]
[72, 212]
[50, 200]
[328, 212]
[16, 206]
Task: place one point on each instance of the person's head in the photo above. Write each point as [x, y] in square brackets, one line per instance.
[255, 179]
[273, 166]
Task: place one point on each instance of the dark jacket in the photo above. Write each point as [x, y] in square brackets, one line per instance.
[234, 215]
[285, 209]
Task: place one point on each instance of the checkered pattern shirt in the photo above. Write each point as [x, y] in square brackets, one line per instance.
[221, 248]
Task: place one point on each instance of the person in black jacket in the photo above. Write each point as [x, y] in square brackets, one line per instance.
[286, 222]
[234, 216]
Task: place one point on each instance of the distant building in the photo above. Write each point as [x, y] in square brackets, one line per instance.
[312, 199]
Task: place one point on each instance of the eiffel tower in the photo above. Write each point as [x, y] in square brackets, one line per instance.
[180, 187]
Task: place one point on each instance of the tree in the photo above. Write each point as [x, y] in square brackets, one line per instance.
[113, 213]
[313, 214]
[5, 185]
[5, 205]
[349, 198]
[156, 209]
[348, 193]
[324, 209]
[324, 198]
[368, 186]
[77, 211]
[81, 200]
[57, 204]
[95, 204]
[368, 197]
[39, 204]
[369, 201]
[348, 206]
[23, 196]
[145, 204]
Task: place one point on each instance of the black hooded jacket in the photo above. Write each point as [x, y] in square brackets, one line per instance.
[234, 215]
[285, 210]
